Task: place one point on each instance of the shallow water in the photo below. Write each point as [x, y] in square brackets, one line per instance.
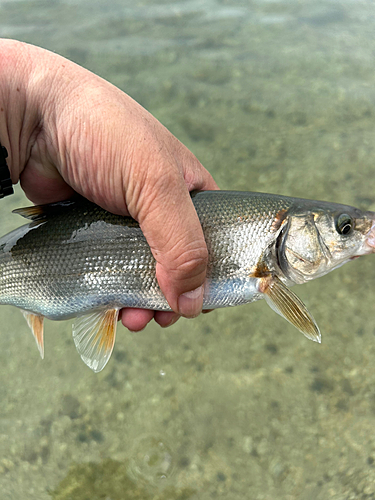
[274, 96]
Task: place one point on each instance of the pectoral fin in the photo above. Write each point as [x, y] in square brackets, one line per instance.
[35, 322]
[289, 306]
[94, 337]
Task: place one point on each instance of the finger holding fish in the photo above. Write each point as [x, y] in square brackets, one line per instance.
[135, 320]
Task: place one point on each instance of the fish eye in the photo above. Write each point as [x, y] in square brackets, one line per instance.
[344, 224]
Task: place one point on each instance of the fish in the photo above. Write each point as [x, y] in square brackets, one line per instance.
[73, 259]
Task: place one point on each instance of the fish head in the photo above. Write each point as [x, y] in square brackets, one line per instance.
[317, 239]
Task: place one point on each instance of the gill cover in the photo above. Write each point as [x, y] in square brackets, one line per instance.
[300, 252]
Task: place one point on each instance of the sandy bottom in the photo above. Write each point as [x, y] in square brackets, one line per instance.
[235, 404]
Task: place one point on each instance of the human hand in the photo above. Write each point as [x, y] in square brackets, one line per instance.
[68, 130]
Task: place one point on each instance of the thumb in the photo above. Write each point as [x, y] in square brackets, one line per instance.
[174, 233]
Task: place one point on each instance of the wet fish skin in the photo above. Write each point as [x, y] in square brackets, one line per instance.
[75, 257]
[75, 260]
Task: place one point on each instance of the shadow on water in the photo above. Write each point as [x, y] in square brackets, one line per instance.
[110, 479]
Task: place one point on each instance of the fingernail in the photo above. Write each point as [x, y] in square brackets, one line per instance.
[190, 303]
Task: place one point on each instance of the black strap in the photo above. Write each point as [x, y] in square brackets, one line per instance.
[6, 187]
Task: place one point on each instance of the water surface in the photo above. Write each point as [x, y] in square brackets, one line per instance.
[273, 96]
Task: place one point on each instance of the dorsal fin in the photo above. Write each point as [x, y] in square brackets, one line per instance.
[41, 212]
[33, 213]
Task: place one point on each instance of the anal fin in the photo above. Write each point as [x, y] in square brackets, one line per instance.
[94, 336]
[289, 306]
[35, 322]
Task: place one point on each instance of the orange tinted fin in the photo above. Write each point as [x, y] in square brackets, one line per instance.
[94, 337]
[35, 322]
[33, 213]
[41, 213]
[289, 306]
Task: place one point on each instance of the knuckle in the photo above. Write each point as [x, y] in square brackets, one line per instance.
[152, 192]
[191, 262]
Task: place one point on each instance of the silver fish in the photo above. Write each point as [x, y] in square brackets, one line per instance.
[76, 260]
